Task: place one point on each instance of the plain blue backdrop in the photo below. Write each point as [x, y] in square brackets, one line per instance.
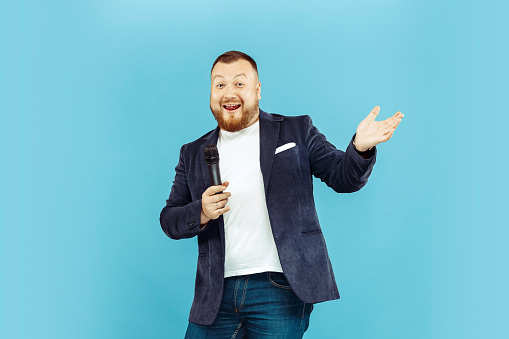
[96, 98]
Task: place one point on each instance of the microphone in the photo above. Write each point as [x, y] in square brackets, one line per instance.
[212, 160]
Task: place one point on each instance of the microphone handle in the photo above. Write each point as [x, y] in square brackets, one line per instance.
[215, 177]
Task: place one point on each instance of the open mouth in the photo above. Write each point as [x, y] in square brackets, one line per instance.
[231, 107]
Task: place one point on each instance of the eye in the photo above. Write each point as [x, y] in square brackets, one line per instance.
[239, 84]
[220, 85]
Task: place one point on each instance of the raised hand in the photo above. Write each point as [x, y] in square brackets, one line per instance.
[370, 132]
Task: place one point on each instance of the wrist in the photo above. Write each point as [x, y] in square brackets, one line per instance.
[203, 218]
[361, 149]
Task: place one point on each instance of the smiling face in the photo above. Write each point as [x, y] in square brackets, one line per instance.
[234, 95]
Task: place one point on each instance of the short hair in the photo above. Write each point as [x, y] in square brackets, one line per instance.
[232, 56]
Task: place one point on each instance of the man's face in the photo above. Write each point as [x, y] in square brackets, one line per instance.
[234, 95]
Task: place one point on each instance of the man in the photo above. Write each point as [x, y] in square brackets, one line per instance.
[262, 260]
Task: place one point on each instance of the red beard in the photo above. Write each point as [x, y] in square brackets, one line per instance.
[234, 124]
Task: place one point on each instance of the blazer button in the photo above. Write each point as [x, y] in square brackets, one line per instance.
[190, 223]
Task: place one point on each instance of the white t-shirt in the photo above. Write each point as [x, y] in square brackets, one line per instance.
[249, 246]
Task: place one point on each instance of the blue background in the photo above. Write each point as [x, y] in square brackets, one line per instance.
[97, 97]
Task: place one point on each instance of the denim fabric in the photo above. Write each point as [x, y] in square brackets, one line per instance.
[257, 306]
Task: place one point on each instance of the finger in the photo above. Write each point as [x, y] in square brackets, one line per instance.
[390, 120]
[392, 125]
[213, 206]
[397, 115]
[214, 189]
[396, 123]
[387, 122]
[387, 136]
[373, 114]
[214, 210]
[218, 197]
[217, 206]
[221, 204]
[221, 211]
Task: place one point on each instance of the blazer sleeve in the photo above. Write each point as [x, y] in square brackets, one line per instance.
[344, 172]
[180, 218]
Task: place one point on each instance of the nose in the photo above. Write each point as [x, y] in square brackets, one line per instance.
[229, 93]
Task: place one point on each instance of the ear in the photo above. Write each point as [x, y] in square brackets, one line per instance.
[259, 90]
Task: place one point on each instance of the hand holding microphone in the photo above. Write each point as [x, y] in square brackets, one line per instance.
[213, 200]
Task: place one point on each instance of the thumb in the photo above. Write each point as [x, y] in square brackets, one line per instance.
[374, 112]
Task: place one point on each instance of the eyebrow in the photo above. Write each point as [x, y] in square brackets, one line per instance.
[238, 75]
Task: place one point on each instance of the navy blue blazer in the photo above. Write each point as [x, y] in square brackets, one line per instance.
[288, 182]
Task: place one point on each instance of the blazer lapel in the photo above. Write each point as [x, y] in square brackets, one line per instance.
[269, 134]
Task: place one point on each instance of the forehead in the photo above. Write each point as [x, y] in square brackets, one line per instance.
[235, 68]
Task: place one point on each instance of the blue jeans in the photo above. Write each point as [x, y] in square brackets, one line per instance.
[256, 306]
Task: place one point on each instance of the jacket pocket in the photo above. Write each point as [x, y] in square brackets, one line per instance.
[290, 152]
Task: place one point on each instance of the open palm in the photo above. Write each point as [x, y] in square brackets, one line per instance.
[370, 132]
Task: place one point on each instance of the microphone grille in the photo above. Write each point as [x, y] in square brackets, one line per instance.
[211, 154]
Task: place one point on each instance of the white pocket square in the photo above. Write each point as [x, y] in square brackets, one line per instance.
[285, 147]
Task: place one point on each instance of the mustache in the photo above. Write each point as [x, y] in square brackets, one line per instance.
[238, 101]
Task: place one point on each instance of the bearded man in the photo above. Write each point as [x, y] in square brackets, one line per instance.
[262, 259]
